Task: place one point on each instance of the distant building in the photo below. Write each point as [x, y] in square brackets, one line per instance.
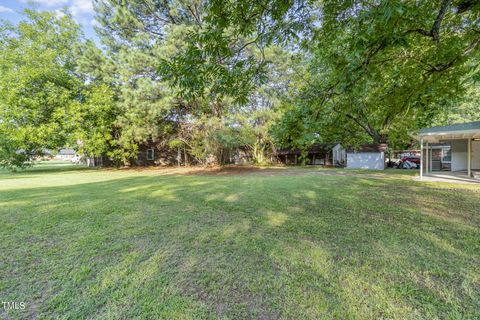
[317, 154]
[65, 154]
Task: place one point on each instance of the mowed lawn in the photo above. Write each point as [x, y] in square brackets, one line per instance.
[297, 243]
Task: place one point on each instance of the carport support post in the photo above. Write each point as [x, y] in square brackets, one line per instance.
[421, 159]
[469, 157]
[427, 156]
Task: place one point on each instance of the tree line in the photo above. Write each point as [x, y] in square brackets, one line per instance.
[210, 77]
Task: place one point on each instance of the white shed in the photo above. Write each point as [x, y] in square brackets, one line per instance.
[368, 156]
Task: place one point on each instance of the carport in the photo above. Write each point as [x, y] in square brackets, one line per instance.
[455, 147]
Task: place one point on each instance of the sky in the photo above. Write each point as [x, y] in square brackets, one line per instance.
[81, 10]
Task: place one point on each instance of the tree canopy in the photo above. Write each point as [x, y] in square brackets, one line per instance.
[382, 67]
[205, 79]
[37, 85]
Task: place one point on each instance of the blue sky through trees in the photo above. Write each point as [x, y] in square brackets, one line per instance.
[81, 10]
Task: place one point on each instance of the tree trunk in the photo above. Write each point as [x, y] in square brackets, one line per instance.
[185, 158]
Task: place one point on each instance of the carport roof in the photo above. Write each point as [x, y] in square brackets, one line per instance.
[454, 127]
[455, 131]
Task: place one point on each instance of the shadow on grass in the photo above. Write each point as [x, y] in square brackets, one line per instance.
[43, 168]
[242, 247]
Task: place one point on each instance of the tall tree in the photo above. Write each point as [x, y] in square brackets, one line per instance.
[37, 85]
[389, 67]
[218, 59]
[383, 67]
[156, 107]
[94, 121]
[137, 35]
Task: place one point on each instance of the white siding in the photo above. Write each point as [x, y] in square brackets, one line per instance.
[459, 155]
[366, 160]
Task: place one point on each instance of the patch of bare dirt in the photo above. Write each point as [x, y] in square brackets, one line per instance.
[213, 170]
[242, 170]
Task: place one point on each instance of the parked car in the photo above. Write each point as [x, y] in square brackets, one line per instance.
[410, 162]
[414, 159]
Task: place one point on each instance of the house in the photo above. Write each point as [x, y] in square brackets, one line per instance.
[154, 153]
[366, 156]
[317, 154]
[453, 150]
[65, 154]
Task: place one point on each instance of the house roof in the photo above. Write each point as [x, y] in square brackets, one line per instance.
[317, 148]
[66, 152]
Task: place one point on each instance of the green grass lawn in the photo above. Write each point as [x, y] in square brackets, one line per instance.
[300, 243]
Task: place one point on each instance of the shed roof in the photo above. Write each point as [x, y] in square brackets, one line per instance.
[369, 147]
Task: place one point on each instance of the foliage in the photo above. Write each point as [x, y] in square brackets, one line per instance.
[383, 68]
[94, 118]
[37, 86]
[219, 58]
[391, 67]
[155, 107]
[212, 78]
[137, 36]
[463, 109]
[210, 140]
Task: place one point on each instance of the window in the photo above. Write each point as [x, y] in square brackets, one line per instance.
[446, 155]
[150, 154]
